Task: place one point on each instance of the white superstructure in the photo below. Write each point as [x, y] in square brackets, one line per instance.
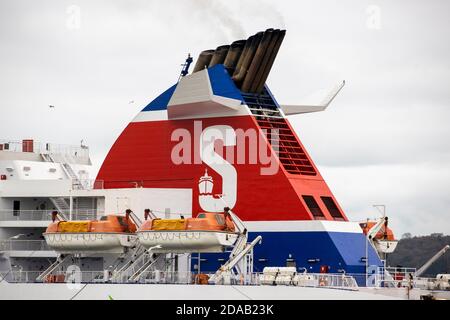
[39, 178]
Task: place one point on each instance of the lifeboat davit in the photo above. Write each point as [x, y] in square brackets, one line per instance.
[110, 234]
[208, 232]
[383, 240]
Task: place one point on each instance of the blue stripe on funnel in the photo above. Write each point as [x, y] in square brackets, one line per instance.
[161, 102]
[221, 83]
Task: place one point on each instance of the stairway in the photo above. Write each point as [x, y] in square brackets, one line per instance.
[76, 182]
[147, 266]
[66, 168]
[135, 258]
[278, 132]
[61, 205]
[60, 260]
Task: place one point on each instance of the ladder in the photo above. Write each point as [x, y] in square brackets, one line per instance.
[60, 260]
[47, 157]
[147, 266]
[71, 174]
[59, 202]
[235, 257]
[279, 133]
[61, 205]
[66, 168]
[240, 250]
[123, 270]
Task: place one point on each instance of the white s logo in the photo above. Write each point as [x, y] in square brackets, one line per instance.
[227, 171]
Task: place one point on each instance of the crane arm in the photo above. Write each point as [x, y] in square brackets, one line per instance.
[433, 259]
[129, 213]
[376, 228]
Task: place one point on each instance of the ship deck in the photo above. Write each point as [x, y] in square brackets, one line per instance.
[64, 291]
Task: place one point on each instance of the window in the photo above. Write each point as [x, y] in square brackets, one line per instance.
[332, 208]
[16, 207]
[201, 215]
[313, 206]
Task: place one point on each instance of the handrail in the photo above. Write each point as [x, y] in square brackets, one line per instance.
[87, 184]
[46, 148]
[24, 245]
[317, 280]
[46, 215]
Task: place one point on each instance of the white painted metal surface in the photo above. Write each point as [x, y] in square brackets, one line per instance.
[299, 109]
[89, 242]
[65, 291]
[386, 246]
[187, 241]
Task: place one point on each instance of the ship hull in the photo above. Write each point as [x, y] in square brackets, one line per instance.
[68, 291]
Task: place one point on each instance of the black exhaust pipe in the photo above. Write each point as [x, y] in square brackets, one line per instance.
[269, 64]
[248, 42]
[257, 80]
[219, 55]
[233, 55]
[257, 59]
[240, 74]
[203, 60]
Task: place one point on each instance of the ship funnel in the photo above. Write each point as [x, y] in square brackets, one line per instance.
[233, 55]
[203, 60]
[219, 55]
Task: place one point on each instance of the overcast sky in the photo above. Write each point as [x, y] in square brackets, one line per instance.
[384, 140]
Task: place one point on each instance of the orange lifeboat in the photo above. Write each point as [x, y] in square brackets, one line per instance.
[384, 239]
[110, 234]
[208, 232]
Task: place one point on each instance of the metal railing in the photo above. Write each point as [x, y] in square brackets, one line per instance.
[413, 283]
[87, 184]
[46, 215]
[44, 148]
[340, 281]
[326, 280]
[83, 214]
[19, 276]
[166, 277]
[24, 245]
[314, 280]
[394, 277]
[330, 281]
